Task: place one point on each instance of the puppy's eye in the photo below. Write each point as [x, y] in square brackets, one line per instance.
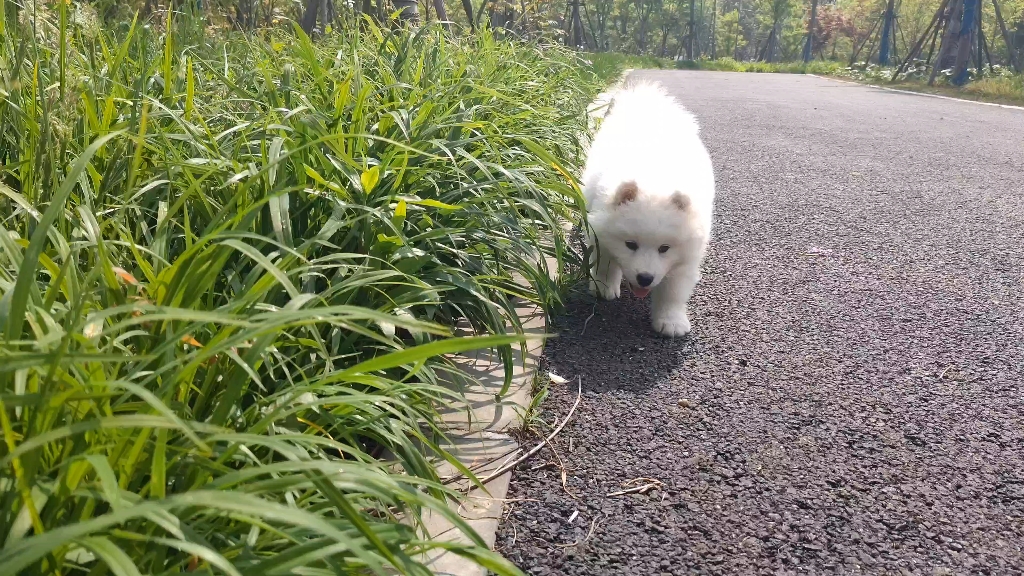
[632, 245]
[663, 248]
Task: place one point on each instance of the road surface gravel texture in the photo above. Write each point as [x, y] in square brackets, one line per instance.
[851, 399]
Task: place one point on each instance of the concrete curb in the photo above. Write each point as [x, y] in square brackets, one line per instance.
[479, 440]
[914, 93]
[478, 433]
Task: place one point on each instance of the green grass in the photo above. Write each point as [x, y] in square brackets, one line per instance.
[1003, 88]
[229, 269]
[731, 65]
[1000, 86]
[609, 65]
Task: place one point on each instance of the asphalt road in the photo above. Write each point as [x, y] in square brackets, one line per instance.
[852, 399]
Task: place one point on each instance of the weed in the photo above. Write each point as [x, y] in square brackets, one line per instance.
[229, 268]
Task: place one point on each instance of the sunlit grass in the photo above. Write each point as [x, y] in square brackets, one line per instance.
[609, 65]
[999, 88]
[228, 273]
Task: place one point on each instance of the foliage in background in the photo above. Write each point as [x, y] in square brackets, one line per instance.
[229, 269]
[745, 30]
[730, 65]
[999, 85]
[609, 65]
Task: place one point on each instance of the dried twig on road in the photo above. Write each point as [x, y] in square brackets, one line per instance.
[538, 447]
[587, 321]
[561, 467]
[510, 465]
[637, 487]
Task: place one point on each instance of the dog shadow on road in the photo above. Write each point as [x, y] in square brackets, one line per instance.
[611, 345]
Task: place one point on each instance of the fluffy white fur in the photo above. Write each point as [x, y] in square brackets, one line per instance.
[650, 190]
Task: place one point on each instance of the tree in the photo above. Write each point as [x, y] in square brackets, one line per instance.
[730, 34]
[316, 11]
[811, 31]
[833, 25]
[888, 29]
[408, 10]
[667, 20]
[602, 13]
[771, 15]
[644, 9]
[622, 19]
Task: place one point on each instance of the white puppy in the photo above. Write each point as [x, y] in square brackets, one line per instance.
[650, 190]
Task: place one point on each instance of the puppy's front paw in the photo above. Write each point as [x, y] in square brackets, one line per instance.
[606, 291]
[673, 325]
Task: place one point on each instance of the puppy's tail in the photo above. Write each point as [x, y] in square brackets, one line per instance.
[650, 99]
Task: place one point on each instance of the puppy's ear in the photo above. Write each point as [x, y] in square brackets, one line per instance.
[679, 200]
[625, 193]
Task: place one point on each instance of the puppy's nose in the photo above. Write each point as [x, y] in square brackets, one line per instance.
[644, 279]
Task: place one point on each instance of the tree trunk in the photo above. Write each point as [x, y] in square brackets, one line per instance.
[979, 48]
[949, 39]
[965, 43]
[326, 12]
[714, 30]
[1010, 52]
[467, 6]
[887, 34]
[690, 30]
[590, 25]
[771, 45]
[367, 9]
[776, 31]
[809, 45]
[442, 15]
[525, 27]
[408, 11]
[768, 53]
[576, 26]
[309, 16]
